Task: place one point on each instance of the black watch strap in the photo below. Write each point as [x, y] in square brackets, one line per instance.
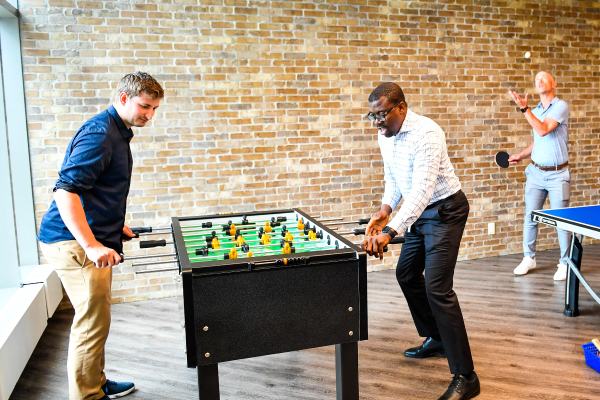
[389, 231]
[524, 109]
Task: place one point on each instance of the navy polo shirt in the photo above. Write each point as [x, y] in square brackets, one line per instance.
[97, 167]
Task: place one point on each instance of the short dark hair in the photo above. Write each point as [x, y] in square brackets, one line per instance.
[136, 82]
[389, 90]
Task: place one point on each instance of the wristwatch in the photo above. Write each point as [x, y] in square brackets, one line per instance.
[524, 109]
[389, 231]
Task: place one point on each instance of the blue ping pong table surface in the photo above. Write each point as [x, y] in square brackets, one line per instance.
[587, 215]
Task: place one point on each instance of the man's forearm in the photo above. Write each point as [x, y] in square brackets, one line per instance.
[535, 123]
[71, 212]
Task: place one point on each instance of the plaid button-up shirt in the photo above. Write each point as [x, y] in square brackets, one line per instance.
[417, 167]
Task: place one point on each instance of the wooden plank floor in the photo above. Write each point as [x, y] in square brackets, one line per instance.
[523, 346]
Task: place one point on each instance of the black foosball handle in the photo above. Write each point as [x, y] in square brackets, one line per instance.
[397, 240]
[137, 230]
[363, 221]
[120, 255]
[141, 229]
[146, 244]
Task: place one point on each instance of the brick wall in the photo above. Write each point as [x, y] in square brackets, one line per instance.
[265, 102]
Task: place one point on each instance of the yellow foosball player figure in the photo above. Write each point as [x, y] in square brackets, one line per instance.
[233, 253]
[286, 249]
[240, 241]
[265, 239]
[267, 227]
[289, 237]
[312, 235]
[215, 243]
[301, 225]
[232, 230]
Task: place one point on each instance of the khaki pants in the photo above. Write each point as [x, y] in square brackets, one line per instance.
[89, 289]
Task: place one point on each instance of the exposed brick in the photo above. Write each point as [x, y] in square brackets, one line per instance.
[265, 104]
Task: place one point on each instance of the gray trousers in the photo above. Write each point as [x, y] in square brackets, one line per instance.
[541, 184]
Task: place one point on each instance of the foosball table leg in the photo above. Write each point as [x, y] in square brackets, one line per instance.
[346, 371]
[208, 382]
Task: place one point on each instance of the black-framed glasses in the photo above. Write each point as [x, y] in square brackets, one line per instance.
[380, 117]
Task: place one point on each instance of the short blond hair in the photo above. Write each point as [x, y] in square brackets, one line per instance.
[137, 82]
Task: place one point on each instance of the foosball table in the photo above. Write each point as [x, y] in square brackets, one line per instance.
[264, 283]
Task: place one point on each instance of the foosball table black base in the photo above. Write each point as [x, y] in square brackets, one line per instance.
[346, 375]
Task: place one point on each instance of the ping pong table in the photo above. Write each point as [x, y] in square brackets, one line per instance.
[582, 221]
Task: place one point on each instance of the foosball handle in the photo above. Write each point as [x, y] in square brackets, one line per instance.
[120, 255]
[363, 221]
[141, 229]
[146, 244]
[127, 237]
[385, 248]
[397, 240]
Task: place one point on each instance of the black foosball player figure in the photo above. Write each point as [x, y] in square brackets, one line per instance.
[433, 217]
[81, 233]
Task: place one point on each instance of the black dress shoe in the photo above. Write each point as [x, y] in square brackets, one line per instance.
[462, 389]
[429, 348]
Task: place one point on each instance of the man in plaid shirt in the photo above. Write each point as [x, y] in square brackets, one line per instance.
[433, 217]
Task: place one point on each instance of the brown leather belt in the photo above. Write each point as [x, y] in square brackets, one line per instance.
[552, 167]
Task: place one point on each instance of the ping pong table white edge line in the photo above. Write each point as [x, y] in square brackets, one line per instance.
[567, 221]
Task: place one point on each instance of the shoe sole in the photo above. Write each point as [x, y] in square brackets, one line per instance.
[125, 393]
[438, 354]
[477, 393]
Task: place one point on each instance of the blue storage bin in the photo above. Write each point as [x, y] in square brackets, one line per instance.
[591, 356]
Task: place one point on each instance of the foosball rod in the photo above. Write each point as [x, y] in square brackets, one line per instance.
[330, 219]
[156, 233]
[147, 271]
[304, 244]
[361, 221]
[129, 258]
[261, 253]
[154, 262]
[357, 232]
[396, 240]
[246, 230]
[247, 238]
[228, 238]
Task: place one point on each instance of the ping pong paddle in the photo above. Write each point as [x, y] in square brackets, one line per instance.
[502, 159]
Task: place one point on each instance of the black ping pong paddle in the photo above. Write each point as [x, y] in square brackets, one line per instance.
[502, 159]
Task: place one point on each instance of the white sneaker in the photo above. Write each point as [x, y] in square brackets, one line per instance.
[527, 264]
[561, 273]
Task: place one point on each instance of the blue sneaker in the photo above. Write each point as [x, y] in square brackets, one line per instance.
[113, 389]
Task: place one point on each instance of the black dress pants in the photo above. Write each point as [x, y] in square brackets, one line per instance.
[425, 273]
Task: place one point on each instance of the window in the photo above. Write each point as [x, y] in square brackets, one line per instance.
[17, 218]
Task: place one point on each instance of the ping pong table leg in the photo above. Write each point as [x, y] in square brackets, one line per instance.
[208, 382]
[346, 371]
[572, 282]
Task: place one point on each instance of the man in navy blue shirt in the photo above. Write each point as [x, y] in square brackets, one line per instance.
[81, 233]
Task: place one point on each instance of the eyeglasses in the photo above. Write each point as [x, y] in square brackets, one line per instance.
[380, 117]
